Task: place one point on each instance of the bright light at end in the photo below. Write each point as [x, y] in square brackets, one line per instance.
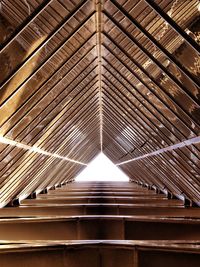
[101, 169]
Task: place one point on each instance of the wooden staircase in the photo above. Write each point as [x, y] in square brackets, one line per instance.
[100, 224]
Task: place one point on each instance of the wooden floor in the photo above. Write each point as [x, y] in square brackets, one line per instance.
[100, 224]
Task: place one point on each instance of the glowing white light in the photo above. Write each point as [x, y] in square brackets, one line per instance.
[102, 169]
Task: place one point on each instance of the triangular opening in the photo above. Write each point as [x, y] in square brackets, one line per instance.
[102, 169]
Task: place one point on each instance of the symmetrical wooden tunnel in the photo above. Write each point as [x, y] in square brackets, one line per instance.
[80, 77]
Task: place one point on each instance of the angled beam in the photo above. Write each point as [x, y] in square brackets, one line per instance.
[156, 112]
[36, 144]
[90, 139]
[47, 147]
[115, 142]
[61, 136]
[114, 128]
[36, 180]
[173, 24]
[179, 134]
[53, 75]
[147, 124]
[146, 128]
[64, 77]
[143, 132]
[152, 79]
[152, 113]
[178, 153]
[119, 123]
[62, 44]
[52, 34]
[86, 128]
[81, 122]
[52, 130]
[71, 89]
[120, 120]
[65, 121]
[116, 108]
[156, 62]
[35, 149]
[165, 135]
[189, 142]
[25, 24]
[156, 43]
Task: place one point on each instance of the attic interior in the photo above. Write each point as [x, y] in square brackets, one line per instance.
[78, 78]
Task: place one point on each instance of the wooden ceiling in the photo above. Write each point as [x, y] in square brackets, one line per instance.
[80, 77]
